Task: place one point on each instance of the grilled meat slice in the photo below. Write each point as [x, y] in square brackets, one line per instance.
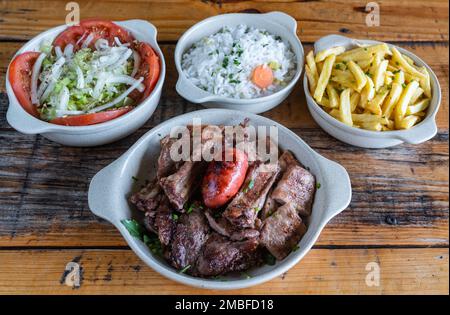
[180, 186]
[243, 209]
[148, 198]
[164, 223]
[296, 187]
[220, 256]
[166, 166]
[190, 235]
[282, 231]
[270, 206]
[223, 227]
[286, 160]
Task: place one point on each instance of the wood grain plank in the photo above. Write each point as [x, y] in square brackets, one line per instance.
[43, 192]
[322, 271]
[292, 113]
[399, 20]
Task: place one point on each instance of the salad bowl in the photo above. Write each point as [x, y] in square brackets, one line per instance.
[97, 134]
[110, 188]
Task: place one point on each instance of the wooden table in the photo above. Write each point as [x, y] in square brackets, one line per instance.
[398, 217]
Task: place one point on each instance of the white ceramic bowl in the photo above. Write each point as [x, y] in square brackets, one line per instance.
[423, 131]
[110, 188]
[97, 134]
[276, 23]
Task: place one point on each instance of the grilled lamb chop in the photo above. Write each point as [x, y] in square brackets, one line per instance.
[220, 256]
[296, 187]
[190, 235]
[166, 166]
[282, 231]
[180, 186]
[148, 198]
[286, 160]
[223, 227]
[243, 209]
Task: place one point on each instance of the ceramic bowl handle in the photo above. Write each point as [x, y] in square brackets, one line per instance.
[283, 19]
[99, 195]
[338, 186]
[24, 122]
[190, 92]
[420, 133]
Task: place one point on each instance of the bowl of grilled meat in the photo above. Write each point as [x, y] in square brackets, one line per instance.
[220, 199]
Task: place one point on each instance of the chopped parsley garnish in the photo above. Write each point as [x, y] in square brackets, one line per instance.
[404, 85]
[137, 231]
[235, 81]
[296, 247]
[225, 62]
[257, 209]
[134, 178]
[175, 216]
[269, 259]
[236, 62]
[249, 186]
[246, 275]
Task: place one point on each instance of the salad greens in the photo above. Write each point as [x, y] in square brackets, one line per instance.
[85, 81]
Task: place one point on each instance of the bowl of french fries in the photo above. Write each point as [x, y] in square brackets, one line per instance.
[371, 94]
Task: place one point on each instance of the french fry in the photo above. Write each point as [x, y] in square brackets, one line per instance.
[325, 102]
[408, 60]
[312, 65]
[402, 105]
[354, 100]
[361, 118]
[311, 80]
[345, 107]
[359, 75]
[408, 122]
[333, 96]
[418, 107]
[372, 126]
[375, 104]
[380, 72]
[367, 94]
[399, 77]
[391, 124]
[362, 53]
[392, 99]
[335, 113]
[322, 55]
[324, 77]
[365, 63]
[425, 82]
[416, 96]
[401, 62]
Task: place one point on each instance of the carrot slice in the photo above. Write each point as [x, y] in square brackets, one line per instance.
[262, 76]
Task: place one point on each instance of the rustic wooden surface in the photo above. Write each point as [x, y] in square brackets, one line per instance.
[399, 212]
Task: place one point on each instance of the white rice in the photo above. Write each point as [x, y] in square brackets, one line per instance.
[223, 63]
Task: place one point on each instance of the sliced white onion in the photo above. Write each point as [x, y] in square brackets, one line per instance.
[119, 98]
[58, 52]
[55, 72]
[136, 63]
[61, 113]
[108, 60]
[88, 41]
[126, 80]
[80, 78]
[34, 78]
[101, 44]
[64, 96]
[80, 39]
[68, 51]
[118, 43]
[124, 58]
[101, 81]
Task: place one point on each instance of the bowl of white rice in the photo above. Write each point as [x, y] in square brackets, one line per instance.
[248, 62]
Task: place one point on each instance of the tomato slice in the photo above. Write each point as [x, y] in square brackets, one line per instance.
[98, 28]
[90, 119]
[149, 68]
[20, 71]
